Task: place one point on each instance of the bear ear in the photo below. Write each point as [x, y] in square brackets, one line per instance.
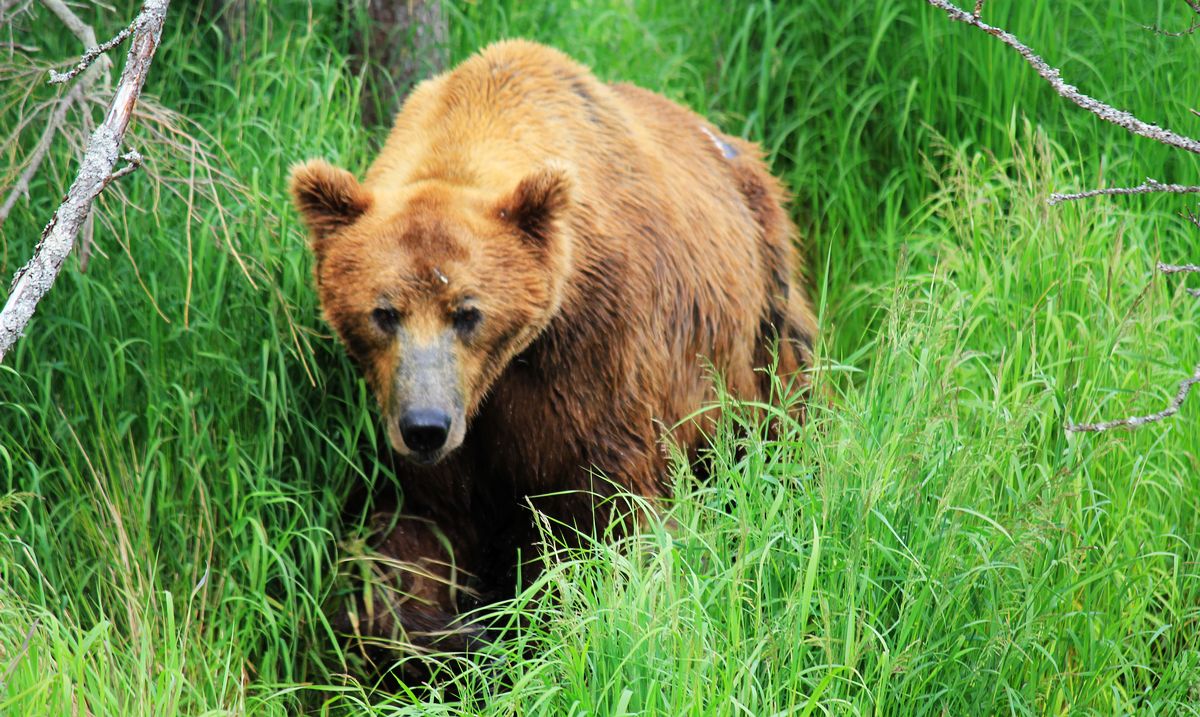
[327, 197]
[539, 202]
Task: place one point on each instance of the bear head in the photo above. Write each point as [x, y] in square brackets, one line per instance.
[434, 287]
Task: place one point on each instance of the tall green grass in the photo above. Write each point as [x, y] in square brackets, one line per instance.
[176, 463]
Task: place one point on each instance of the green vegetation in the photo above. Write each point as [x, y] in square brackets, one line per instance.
[179, 433]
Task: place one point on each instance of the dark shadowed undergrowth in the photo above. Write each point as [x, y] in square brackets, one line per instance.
[179, 434]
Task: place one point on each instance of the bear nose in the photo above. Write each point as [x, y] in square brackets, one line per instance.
[425, 429]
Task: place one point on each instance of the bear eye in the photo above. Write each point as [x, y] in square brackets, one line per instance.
[466, 319]
[386, 320]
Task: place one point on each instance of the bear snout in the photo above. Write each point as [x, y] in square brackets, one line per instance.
[426, 418]
[425, 430]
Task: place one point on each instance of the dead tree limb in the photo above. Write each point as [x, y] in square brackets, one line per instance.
[1194, 26]
[92, 54]
[78, 28]
[133, 160]
[1178, 268]
[1053, 76]
[1148, 187]
[96, 170]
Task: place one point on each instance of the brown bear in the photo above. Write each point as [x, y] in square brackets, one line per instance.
[538, 277]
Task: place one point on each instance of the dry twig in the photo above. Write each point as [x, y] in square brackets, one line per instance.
[90, 56]
[1191, 217]
[1195, 25]
[1148, 187]
[1178, 268]
[1192, 27]
[133, 161]
[78, 28]
[1136, 421]
[95, 172]
[1053, 76]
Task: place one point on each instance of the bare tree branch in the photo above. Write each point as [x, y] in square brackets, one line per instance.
[1136, 421]
[1052, 75]
[35, 278]
[1191, 217]
[92, 54]
[1192, 27]
[1195, 25]
[78, 28]
[87, 233]
[1150, 186]
[1178, 268]
[133, 160]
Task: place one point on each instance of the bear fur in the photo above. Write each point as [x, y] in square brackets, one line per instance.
[551, 267]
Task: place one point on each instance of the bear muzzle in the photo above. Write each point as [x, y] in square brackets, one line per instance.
[426, 420]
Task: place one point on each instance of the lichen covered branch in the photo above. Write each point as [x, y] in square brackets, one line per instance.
[1053, 76]
[34, 280]
[1148, 187]
[90, 56]
[1178, 268]
[133, 160]
[78, 28]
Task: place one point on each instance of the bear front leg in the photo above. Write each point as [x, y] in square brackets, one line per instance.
[409, 592]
